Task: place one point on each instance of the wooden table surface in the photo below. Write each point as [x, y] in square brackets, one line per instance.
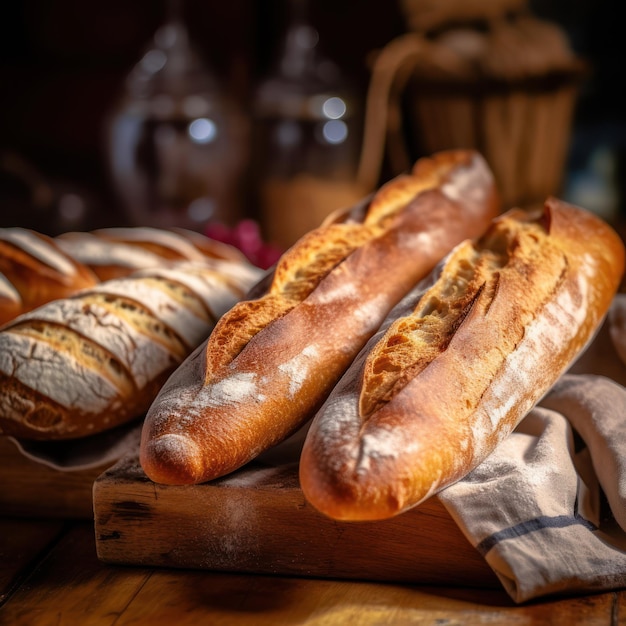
[50, 575]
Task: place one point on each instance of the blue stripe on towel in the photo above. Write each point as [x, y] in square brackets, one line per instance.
[532, 525]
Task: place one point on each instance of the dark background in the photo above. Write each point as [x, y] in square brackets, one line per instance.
[62, 63]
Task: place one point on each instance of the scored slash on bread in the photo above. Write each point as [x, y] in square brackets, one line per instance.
[460, 361]
[272, 359]
[472, 276]
[303, 267]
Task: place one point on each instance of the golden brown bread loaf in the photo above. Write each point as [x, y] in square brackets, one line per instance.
[115, 252]
[272, 360]
[34, 270]
[80, 365]
[460, 361]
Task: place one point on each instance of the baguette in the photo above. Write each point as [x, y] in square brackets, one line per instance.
[272, 360]
[116, 252]
[35, 270]
[460, 361]
[80, 365]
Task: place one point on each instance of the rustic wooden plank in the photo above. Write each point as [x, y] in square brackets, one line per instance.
[22, 543]
[70, 586]
[31, 489]
[257, 520]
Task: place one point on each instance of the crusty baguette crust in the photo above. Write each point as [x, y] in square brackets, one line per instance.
[116, 252]
[271, 361]
[77, 366]
[35, 270]
[460, 361]
[107, 259]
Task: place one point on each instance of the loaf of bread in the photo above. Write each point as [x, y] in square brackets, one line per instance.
[34, 270]
[273, 358]
[115, 252]
[80, 365]
[460, 361]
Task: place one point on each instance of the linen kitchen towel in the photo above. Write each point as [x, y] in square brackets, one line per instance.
[547, 510]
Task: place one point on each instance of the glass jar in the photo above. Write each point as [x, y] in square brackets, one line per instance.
[177, 146]
[307, 136]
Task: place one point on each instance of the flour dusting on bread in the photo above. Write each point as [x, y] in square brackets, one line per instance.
[297, 368]
[231, 390]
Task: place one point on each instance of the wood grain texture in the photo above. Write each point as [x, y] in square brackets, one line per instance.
[82, 590]
[70, 587]
[256, 520]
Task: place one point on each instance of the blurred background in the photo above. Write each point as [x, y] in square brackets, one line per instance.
[204, 114]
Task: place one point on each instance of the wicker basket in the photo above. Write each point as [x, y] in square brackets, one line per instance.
[504, 83]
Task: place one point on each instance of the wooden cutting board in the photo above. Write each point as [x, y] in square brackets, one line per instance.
[256, 520]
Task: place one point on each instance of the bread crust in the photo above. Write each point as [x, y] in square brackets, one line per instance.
[271, 361]
[460, 361]
[35, 270]
[80, 365]
[119, 251]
